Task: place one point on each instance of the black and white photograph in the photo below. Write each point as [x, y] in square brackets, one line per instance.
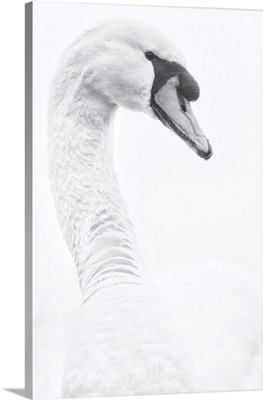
[146, 199]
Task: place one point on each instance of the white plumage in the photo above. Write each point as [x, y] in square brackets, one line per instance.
[123, 340]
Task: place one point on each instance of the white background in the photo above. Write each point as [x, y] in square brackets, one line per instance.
[12, 292]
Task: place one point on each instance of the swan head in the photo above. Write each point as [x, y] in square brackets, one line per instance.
[134, 66]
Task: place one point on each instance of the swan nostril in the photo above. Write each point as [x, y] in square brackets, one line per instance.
[181, 99]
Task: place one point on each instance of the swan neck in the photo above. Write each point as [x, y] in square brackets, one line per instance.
[90, 209]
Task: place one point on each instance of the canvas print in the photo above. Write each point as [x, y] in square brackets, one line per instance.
[146, 199]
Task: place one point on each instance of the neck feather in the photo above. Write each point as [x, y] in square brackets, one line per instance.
[90, 210]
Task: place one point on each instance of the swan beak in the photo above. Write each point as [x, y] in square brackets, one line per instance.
[175, 112]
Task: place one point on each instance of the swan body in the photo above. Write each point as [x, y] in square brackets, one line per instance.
[125, 341]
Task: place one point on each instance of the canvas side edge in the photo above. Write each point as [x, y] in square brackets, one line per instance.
[28, 199]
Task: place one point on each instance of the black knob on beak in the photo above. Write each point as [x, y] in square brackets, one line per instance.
[188, 86]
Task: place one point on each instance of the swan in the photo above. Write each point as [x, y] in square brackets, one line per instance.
[125, 340]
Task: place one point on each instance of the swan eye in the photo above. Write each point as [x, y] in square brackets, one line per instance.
[149, 55]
